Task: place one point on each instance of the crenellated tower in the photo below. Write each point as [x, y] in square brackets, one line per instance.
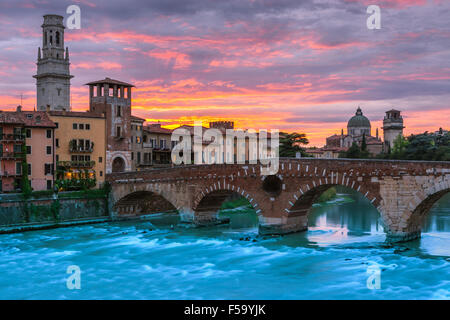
[53, 67]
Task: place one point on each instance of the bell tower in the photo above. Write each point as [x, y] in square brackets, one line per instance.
[392, 127]
[53, 73]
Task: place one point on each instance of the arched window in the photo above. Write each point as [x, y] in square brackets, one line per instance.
[45, 38]
[57, 38]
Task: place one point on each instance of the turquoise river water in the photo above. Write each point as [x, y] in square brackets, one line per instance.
[157, 259]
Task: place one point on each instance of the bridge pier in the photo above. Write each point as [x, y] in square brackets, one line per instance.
[202, 219]
[396, 237]
[281, 226]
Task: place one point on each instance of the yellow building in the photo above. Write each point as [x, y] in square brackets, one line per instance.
[80, 145]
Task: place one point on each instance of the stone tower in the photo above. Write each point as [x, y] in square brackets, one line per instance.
[392, 127]
[113, 98]
[53, 74]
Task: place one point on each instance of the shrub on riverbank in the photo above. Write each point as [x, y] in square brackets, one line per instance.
[328, 195]
[236, 203]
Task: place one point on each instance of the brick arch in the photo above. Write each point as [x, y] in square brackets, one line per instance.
[300, 205]
[122, 191]
[317, 186]
[219, 191]
[143, 202]
[422, 203]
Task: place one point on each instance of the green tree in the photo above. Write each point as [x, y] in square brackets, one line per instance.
[354, 152]
[399, 148]
[290, 144]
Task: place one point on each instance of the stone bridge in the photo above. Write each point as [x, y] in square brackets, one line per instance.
[402, 191]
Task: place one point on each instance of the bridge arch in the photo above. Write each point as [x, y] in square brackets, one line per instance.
[143, 202]
[210, 199]
[139, 199]
[300, 205]
[413, 220]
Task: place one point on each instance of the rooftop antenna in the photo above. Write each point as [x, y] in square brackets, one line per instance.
[21, 98]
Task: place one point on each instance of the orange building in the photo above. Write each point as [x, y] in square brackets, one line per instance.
[27, 138]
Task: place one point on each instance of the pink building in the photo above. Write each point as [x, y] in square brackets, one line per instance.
[27, 134]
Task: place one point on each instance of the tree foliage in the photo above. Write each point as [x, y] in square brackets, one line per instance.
[356, 152]
[290, 144]
[425, 146]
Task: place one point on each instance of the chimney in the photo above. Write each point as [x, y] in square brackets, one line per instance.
[19, 108]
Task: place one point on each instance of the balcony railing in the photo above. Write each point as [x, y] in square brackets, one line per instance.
[76, 164]
[6, 174]
[74, 148]
[13, 137]
[11, 155]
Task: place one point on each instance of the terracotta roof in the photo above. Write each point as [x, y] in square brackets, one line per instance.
[110, 81]
[156, 128]
[26, 118]
[134, 118]
[76, 114]
[10, 117]
[37, 119]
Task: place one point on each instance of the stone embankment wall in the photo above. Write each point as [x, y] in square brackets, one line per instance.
[16, 211]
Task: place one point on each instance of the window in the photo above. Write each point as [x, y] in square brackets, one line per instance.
[57, 125]
[17, 148]
[88, 126]
[132, 156]
[58, 89]
[74, 158]
[75, 126]
[57, 143]
[28, 149]
[119, 111]
[100, 159]
[29, 116]
[138, 157]
[48, 168]
[101, 173]
[49, 150]
[138, 139]
[57, 157]
[49, 184]
[118, 132]
[18, 167]
[81, 126]
[29, 168]
[49, 133]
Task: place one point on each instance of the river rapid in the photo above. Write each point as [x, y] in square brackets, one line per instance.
[159, 259]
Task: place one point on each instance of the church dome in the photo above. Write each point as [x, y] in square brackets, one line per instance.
[358, 120]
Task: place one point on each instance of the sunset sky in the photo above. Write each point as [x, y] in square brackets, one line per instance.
[291, 65]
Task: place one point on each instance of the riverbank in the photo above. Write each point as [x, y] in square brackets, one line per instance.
[45, 209]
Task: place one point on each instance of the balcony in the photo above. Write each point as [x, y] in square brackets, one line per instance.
[76, 164]
[12, 137]
[11, 155]
[74, 148]
[6, 174]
